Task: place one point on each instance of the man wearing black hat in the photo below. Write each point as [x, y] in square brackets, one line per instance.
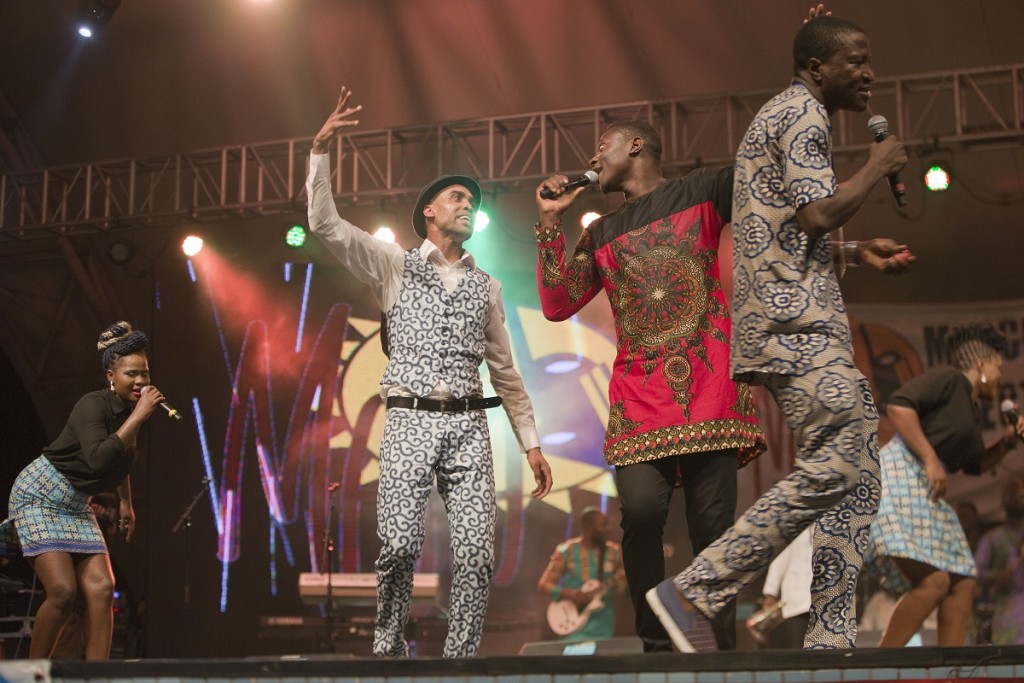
[444, 317]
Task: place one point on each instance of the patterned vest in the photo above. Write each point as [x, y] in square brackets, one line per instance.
[434, 335]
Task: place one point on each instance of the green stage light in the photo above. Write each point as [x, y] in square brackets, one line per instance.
[295, 237]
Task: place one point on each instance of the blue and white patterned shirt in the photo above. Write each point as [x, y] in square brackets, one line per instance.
[788, 312]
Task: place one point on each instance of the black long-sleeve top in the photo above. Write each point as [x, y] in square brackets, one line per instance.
[88, 451]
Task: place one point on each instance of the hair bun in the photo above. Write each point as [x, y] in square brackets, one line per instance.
[120, 340]
[113, 334]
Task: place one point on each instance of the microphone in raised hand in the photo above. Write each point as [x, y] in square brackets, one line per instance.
[1010, 413]
[171, 412]
[879, 127]
[584, 180]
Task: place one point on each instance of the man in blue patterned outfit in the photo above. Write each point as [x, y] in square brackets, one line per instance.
[444, 317]
[791, 335]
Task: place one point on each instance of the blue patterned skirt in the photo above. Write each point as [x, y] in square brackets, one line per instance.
[912, 525]
[49, 515]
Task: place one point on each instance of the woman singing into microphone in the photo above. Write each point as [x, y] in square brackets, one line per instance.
[49, 506]
[938, 431]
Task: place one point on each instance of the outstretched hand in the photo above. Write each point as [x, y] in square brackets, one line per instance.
[885, 255]
[338, 119]
[818, 11]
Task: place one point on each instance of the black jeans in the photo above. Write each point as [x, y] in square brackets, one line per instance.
[708, 481]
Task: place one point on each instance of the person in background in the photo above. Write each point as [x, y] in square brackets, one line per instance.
[788, 581]
[1000, 560]
[586, 568]
[938, 432]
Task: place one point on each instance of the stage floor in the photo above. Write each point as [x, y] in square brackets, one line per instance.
[987, 663]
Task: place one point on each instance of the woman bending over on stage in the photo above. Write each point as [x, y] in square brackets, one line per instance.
[49, 506]
[938, 431]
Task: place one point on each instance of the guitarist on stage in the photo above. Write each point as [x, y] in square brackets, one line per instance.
[582, 578]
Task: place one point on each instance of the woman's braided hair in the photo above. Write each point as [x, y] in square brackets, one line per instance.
[120, 340]
[971, 343]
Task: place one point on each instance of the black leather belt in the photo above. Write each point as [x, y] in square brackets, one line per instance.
[444, 405]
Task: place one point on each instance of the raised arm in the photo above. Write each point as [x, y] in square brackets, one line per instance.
[994, 453]
[564, 287]
[822, 216]
[339, 118]
[373, 262]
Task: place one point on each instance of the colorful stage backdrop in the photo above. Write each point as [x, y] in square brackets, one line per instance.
[281, 364]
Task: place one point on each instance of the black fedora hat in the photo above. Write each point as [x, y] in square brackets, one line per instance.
[430, 190]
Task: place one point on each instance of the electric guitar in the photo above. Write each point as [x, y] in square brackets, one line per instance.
[565, 618]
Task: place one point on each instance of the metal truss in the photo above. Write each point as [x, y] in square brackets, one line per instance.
[963, 108]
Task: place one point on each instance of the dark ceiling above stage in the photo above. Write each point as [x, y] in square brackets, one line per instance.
[172, 76]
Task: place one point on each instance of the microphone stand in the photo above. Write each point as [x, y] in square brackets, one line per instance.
[185, 520]
[327, 566]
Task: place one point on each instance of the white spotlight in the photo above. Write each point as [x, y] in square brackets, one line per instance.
[589, 217]
[385, 234]
[192, 245]
[481, 221]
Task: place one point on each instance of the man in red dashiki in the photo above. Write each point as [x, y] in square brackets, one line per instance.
[676, 416]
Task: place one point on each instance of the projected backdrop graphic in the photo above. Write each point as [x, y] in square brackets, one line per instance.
[324, 453]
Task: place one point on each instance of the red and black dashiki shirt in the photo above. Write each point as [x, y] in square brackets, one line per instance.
[657, 258]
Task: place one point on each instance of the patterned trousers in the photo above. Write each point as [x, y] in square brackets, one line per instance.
[418, 447]
[835, 484]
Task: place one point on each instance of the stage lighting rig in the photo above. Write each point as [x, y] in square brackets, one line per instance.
[93, 14]
[121, 251]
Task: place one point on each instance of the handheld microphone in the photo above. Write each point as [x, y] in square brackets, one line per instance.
[879, 127]
[584, 180]
[171, 412]
[1009, 410]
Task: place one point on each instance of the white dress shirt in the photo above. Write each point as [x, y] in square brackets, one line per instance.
[789, 576]
[381, 265]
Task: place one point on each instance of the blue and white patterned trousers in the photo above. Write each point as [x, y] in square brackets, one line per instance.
[418, 447]
[835, 484]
